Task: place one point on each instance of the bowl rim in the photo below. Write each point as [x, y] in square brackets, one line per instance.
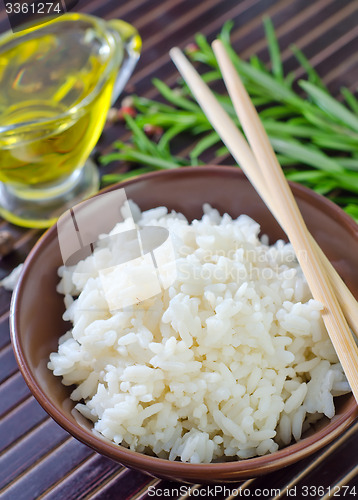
[259, 464]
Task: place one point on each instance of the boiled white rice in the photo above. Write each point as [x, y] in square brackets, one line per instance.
[232, 360]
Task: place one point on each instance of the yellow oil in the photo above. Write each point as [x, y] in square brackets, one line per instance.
[47, 127]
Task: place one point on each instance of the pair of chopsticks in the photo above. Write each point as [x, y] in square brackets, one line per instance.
[258, 160]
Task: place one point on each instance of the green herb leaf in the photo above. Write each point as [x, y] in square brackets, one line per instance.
[334, 108]
[274, 49]
[313, 76]
[315, 138]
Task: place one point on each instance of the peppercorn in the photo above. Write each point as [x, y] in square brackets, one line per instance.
[153, 131]
[112, 116]
[191, 48]
[126, 110]
[127, 102]
[116, 115]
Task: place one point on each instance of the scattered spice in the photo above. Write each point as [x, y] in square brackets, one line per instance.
[153, 131]
[127, 102]
[126, 110]
[112, 116]
[191, 48]
[116, 115]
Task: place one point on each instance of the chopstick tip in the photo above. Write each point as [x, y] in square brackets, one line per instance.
[174, 52]
[216, 43]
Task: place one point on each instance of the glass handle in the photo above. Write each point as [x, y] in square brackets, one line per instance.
[132, 44]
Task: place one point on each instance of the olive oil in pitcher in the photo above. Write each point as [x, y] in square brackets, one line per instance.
[41, 79]
[57, 82]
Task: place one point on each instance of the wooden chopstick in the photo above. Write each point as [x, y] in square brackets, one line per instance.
[261, 180]
[291, 217]
[241, 151]
[264, 163]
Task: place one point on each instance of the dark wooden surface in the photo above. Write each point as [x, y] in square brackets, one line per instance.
[38, 459]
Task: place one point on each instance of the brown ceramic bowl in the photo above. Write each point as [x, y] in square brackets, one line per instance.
[36, 322]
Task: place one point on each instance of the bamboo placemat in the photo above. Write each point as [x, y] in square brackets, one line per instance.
[38, 459]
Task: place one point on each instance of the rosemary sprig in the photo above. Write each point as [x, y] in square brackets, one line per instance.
[314, 135]
[143, 151]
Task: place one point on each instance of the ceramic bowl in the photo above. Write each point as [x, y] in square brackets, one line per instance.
[36, 312]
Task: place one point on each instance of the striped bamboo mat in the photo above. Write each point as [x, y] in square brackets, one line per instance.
[38, 459]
